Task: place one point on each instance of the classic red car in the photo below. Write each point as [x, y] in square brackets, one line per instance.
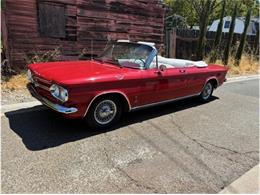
[126, 77]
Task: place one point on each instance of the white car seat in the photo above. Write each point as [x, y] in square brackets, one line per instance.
[177, 63]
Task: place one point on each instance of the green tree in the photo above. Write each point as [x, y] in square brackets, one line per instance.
[182, 8]
[230, 35]
[220, 26]
[218, 34]
[243, 39]
[203, 10]
[185, 8]
[244, 5]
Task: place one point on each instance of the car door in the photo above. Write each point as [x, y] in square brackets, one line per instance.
[196, 78]
[177, 82]
[158, 86]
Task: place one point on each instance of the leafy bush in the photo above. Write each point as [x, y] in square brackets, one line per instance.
[6, 70]
[48, 56]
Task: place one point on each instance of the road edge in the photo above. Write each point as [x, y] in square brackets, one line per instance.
[248, 183]
[242, 78]
[17, 106]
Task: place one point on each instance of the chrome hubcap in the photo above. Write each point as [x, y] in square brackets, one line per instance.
[207, 91]
[105, 112]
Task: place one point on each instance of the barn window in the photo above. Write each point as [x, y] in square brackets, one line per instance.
[52, 20]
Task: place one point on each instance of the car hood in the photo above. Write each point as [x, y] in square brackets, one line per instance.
[73, 72]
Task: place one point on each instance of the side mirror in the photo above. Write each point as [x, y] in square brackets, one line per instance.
[162, 67]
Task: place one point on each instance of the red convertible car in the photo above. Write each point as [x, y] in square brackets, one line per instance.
[126, 77]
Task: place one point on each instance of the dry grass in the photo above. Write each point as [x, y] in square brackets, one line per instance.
[15, 82]
[248, 65]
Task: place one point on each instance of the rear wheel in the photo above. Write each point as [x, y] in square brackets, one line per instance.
[104, 112]
[206, 92]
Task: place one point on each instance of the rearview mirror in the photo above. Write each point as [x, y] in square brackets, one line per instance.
[162, 67]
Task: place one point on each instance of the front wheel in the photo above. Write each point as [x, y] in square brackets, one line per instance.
[104, 112]
[206, 92]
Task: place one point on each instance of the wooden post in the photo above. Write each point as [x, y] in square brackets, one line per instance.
[170, 40]
[170, 44]
[173, 44]
[166, 42]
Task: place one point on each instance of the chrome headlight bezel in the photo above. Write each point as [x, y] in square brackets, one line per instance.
[59, 92]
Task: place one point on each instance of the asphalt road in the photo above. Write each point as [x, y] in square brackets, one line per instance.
[182, 147]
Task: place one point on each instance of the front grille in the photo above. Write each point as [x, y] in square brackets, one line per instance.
[41, 83]
[42, 87]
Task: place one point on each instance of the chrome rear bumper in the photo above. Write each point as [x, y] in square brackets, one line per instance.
[56, 107]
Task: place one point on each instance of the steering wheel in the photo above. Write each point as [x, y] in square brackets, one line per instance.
[137, 61]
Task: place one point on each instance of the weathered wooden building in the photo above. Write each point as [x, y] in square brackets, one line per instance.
[30, 26]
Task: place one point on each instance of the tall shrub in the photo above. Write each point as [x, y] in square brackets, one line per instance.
[230, 36]
[243, 39]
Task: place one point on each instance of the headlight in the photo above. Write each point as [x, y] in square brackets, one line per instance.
[29, 75]
[59, 93]
[55, 91]
[64, 94]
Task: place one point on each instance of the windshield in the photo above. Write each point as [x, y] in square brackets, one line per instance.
[131, 55]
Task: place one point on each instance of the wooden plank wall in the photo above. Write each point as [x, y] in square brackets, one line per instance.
[96, 21]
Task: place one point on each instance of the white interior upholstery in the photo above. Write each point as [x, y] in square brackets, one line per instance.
[168, 62]
[177, 63]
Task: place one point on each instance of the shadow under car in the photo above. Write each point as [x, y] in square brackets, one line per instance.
[42, 128]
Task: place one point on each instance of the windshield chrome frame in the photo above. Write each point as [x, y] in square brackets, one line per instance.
[150, 57]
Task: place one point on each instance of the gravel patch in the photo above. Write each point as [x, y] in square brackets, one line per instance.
[15, 96]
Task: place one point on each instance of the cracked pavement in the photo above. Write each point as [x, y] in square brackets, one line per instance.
[181, 147]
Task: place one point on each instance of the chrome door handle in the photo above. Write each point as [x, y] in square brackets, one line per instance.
[182, 71]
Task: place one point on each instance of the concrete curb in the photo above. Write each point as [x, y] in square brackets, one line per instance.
[13, 107]
[246, 184]
[242, 78]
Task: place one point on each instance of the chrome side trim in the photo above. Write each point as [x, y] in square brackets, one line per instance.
[56, 107]
[107, 92]
[163, 102]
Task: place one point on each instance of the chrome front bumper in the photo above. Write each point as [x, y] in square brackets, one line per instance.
[56, 107]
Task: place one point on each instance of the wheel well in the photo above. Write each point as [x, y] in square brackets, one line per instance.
[119, 96]
[214, 83]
